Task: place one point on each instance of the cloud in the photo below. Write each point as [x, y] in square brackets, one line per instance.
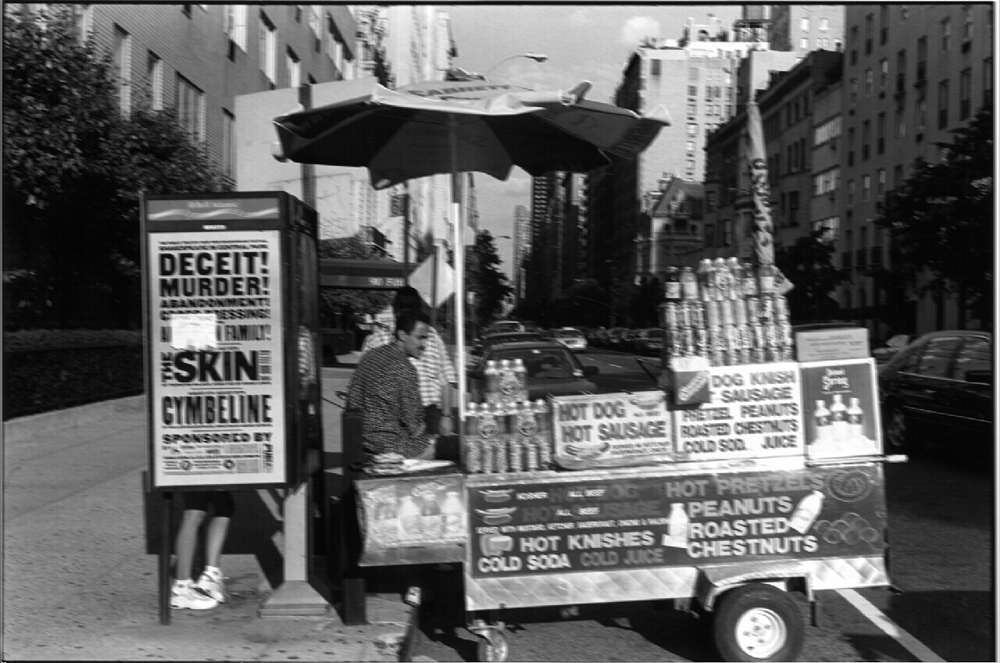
[637, 28]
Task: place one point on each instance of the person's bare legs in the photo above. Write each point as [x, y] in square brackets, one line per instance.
[215, 539]
[187, 540]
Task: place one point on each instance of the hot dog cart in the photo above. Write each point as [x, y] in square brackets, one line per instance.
[744, 479]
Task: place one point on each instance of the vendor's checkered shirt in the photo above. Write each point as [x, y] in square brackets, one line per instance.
[434, 368]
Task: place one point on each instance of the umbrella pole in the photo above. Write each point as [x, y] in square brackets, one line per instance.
[459, 247]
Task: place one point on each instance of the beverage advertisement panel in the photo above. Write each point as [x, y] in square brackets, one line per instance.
[603, 524]
[754, 411]
[611, 430]
[841, 409]
[216, 337]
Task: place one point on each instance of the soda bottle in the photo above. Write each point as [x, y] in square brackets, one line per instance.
[821, 420]
[749, 280]
[689, 285]
[838, 418]
[759, 349]
[736, 273]
[707, 280]
[672, 285]
[544, 436]
[723, 280]
[855, 420]
[453, 514]
[489, 431]
[521, 375]
[471, 446]
[492, 382]
[765, 279]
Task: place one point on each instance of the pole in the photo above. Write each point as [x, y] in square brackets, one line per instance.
[459, 246]
[406, 233]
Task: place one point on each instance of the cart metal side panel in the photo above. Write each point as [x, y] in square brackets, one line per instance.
[627, 535]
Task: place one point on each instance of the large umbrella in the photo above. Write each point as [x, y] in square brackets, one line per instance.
[458, 126]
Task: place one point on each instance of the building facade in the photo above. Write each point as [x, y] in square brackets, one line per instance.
[912, 74]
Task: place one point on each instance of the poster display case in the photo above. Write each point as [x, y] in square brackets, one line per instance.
[230, 293]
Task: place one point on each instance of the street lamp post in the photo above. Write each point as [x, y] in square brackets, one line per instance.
[537, 57]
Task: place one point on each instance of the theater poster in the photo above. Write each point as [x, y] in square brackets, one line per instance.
[221, 367]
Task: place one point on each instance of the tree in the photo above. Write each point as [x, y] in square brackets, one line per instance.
[940, 221]
[74, 167]
[808, 264]
[485, 279]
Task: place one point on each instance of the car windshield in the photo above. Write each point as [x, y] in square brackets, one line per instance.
[541, 363]
[569, 333]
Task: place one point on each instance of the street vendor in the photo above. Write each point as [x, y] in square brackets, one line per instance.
[385, 390]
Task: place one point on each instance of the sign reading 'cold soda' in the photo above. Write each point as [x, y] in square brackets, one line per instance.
[601, 524]
[754, 411]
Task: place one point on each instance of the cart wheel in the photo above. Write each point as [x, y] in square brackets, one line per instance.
[758, 622]
[493, 646]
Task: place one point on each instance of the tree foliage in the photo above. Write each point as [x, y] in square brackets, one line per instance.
[941, 220]
[74, 169]
[484, 278]
[808, 264]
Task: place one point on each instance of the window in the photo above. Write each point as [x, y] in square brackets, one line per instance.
[727, 232]
[692, 91]
[942, 104]
[294, 68]
[945, 35]
[897, 176]
[824, 24]
[121, 64]
[866, 188]
[268, 49]
[83, 21]
[880, 185]
[869, 82]
[967, 25]
[689, 146]
[804, 24]
[692, 129]
[965, 94]
[854, 92]
[883, 28]
[850, 146]
[921, 59]
[880, 134]
[900, 123]
[851, 191]
[228, 144]
[692, 109]
[976, 355]
[937, 357]
[236, 26]
[901, 72]
[191, 108]
[921, 116]
[804, 43]
[883, 75]
[154, 78]
[854, 44]
[869, 26]
[654, 68]
[316, 25]
[866, 136]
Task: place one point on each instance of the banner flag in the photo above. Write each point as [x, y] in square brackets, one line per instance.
[763, 225]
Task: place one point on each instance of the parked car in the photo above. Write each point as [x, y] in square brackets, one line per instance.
[616, 338]
[552, 370]
[504, 326]
[895, 343]
[648, 341]
[572, 339]
[938, 390]
[506, 337]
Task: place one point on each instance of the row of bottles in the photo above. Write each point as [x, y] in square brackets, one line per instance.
[728, 312]
[419, 518]
[508, 437]
[839, 422]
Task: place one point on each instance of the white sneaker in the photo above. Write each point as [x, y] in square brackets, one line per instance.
[189, 597]
[212, 583]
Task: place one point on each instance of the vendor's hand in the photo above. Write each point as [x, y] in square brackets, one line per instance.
[446, 426]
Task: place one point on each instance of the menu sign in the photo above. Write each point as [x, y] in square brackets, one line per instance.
[754, 411]
[615, 523]
[218, 412]
[611, 430]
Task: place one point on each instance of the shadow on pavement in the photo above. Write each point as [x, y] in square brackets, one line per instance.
[955, 625]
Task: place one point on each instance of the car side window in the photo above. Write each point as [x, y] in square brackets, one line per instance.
[976, 355]
[937, 358]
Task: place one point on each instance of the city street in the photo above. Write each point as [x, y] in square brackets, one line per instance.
[941, 606]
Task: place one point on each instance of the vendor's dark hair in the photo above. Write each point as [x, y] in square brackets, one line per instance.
[407, 297]
[407, 321]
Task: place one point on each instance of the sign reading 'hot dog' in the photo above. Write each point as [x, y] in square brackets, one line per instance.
[612, 430]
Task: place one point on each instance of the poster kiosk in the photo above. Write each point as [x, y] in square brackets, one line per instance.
[752, 473]
[230, 296]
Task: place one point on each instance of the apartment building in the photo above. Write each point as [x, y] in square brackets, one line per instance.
[912, 74]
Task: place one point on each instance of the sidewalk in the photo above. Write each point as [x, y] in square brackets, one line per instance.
[80, 582]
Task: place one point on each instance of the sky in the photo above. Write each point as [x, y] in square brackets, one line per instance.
[583, 42]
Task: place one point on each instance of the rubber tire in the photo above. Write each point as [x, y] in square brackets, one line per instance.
[735, 603]
[494, 647]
